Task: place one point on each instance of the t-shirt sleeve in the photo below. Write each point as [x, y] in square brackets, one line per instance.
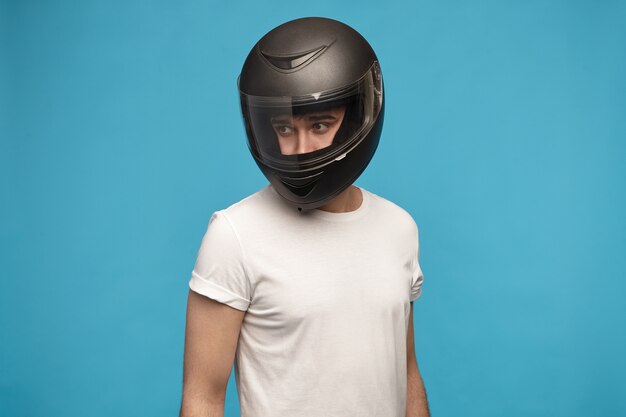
[220, 270]
[418, 276]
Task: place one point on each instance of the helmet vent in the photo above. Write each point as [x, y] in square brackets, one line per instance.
[292, 61]
[301, 190]
[301, 186]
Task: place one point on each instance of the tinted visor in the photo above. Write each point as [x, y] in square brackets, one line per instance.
[305, 131]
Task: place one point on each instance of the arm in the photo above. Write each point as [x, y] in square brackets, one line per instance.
[211, 337]
[416, 401]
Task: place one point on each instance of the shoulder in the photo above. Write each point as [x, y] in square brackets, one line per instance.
[259, 200]
[225, 226]
[392, 211]
[257, 210]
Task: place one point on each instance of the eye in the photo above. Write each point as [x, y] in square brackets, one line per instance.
[320, 127]
[283, 130]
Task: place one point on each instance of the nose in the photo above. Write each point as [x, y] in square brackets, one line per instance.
[305, 143]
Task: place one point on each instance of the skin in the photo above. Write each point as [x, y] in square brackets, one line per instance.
[211, 336]
[309, 132]
[416, 401]
[349, 200]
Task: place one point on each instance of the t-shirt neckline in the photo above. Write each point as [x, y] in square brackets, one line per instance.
[347, 215]
[327, 215]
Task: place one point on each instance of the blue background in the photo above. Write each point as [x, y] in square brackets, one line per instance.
[504, 137]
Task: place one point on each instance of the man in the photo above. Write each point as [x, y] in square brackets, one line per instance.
[308, 284]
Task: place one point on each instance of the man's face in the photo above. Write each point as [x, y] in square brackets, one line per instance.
[307, 132]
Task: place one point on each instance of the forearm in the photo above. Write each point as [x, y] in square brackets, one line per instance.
[416, 401]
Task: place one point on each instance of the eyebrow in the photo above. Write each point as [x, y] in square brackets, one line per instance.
[280, 119]
[314, 118]
[323, 117]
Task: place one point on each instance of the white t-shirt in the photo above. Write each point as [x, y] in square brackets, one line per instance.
[327, 300]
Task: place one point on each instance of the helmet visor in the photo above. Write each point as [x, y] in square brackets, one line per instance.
[315, 129]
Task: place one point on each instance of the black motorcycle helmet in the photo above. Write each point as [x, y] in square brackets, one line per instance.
[305, 66]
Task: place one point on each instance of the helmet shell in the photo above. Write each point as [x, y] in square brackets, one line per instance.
[303, 62]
